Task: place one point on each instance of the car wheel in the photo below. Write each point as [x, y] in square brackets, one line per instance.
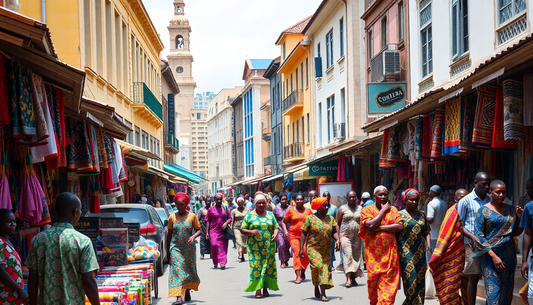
[159, 265]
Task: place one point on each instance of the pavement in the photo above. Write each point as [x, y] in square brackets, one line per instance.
[227, 286]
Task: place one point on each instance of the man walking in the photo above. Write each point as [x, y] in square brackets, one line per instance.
[436, 210]
[62, 260]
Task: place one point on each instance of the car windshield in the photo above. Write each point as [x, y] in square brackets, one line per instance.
[129, 215]
[174, 208]
[162, 214]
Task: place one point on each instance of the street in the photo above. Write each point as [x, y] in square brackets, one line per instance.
[227, 287]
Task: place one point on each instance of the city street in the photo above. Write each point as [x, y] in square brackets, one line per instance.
[227, 287]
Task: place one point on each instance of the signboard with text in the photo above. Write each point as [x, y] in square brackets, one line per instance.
[171, 115]
[328, 168]
[386, 97]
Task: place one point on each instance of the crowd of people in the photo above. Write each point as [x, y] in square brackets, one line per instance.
[392, 237]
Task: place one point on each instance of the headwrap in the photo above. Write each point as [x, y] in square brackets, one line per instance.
[260, 196]
[318, 202]
[240, 198]
[183, 197]
[409, 193]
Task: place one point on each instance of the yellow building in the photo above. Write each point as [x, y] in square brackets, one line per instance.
[116, 44]
[296, 93]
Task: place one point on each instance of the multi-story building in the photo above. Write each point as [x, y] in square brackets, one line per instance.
[275, 157]
[238, 136]
[201, 100]
[296, 92]
[169, 90]
[266, 134]
[199, 141]
[220, 139]
[117, 46]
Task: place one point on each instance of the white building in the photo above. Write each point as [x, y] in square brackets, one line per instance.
[220, 139]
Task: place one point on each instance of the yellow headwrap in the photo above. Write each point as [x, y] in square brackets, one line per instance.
[318, 202]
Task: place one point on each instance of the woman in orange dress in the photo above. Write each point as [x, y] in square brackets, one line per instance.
[379, 225]
[295, 217]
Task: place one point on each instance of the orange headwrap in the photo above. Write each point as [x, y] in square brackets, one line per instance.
[318, 202]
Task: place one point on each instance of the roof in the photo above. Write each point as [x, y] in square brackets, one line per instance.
[260, 64]
[295, 29]
[315, 15]
[169, 77]
[272, 68]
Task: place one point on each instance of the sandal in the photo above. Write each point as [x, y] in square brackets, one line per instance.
[222, 267]
[258, 295]
[298, 280]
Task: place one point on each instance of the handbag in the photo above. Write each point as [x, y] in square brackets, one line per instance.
[228, 232]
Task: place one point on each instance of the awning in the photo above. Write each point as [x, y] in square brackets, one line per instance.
[153, 171]
[356, 147]
[188, 171]
[136, 151]
[295, 169]
[273, 178]
[104, 116]
[224, 188]
[253, 180]
[181, 173]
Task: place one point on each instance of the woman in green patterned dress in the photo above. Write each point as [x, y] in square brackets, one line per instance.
[412, 244]
[319, 229]
[262, 230]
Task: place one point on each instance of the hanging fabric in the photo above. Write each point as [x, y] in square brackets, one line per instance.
[341, 170]
[4, 95]
[427, 138]
[79, 156]
[22, 122]
[498, 141]
[484, 121]
[513, 103]
[31, 196]
[436, 143]
[411, 140]
[418, 138]
[468, 115]
[384, 163]
[5, 195]
[37, 94]
[395, 145]
[452, 126]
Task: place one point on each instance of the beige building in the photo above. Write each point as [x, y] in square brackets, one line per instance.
[199, 141]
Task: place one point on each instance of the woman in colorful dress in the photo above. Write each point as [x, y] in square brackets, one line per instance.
[412, 245]
[319, 229]
[218, 218]
[348, 220]
[183, 229]
[379, 224]
[262, 230]
[11, 283]
[295, 218]
[205, 244]
[283, 242]
[237, 216]
[497, 223]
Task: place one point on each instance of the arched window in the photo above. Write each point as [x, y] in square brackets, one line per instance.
[179, 42]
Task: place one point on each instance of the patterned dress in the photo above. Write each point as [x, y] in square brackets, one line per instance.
[318, 248]
[494, 232]
[61, 255]
[182, 275]
[381, 257]
[261, 251]
[283, 243]
[240, 239]
[412, 245]
[296, 220]
[11, 260]
[219, 245]
[205, 244]
[350, 241]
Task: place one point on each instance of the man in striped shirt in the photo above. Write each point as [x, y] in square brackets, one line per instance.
[467, 208]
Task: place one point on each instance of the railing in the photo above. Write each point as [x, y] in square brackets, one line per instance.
[267, 133]
[270, 160]
[143, 95]
[295, 98]
[294, 150]
[171, 140]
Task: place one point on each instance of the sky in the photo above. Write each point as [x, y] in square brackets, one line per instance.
[226, 32]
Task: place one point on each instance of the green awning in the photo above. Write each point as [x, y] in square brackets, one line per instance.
[181, 173]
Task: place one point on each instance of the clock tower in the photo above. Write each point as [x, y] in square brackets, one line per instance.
[180, 60]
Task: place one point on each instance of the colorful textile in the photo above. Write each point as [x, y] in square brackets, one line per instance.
[182, 275]
[350, 240]
[341, 172]
[452, 126]
[448, 259]
[4, 95]
[410, 141]
[418, 138]
[381, 257]
[79, 156]
[513, 103]
[261, 251]
[436, 143]
[395, 145]
[37, 96]
[384, 162]
[408, 194]
[468, 114]
[318, 202]
[219, 245]
[240, 239]
[484, 121]
[498, 139]
[296, 219]
[283, 243]
[20, 101]
[412, 245]
[11, 262]
[493, 231]
[427, 136]
[61, 255]
[319, 234]
[205, 244]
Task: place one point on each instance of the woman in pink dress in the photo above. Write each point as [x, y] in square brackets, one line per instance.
[218, 218]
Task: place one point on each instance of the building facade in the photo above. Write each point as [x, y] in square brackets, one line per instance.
[220, 139]
[275, 157]
[238, 137]
[201, 100]
[169, 90]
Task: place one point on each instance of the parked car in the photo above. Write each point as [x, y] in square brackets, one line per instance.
[163, 214]
[174, 208]
[169, 208]
[152, 227]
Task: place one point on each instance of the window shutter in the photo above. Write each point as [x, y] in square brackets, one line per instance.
[318, 67]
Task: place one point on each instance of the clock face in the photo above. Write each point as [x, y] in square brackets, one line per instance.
[179, 70]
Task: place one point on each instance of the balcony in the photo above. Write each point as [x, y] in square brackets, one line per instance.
[146, 104]
[293, 152]
[172, 144]
[294, 101]
[270, 160]
[266, 133]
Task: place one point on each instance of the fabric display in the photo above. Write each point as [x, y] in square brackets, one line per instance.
[468, 115]
[384, 162]
[452, 126]
[498, 139]
[130, 284]
[427, 136]
[513, 103]
[436, 143]
[418, 138]
[394, 153]
[484, 121]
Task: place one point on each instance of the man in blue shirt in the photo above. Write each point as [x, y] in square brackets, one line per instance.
[365, 198]
[467, 208]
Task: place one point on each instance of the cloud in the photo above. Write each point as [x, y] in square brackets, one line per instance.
[225, 33]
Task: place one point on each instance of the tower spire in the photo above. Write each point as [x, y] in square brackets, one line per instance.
[179, 7]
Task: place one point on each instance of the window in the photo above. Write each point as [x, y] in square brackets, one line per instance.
[341, 38]
[308, 129]
[198, 116]
[401, 21]
[303, 129]
[302, 75]
[144, 139]
[370, 44]
[329, 49]
[307, 72]
[510, 8]
[426, 37]
[384, 32]
[459, 28]
[179, 42]
[331, 118]
[129, 137]
[284, 50]
[288, 134]
[297, 79]
[293, 133]
[297, 131]
[138, 136]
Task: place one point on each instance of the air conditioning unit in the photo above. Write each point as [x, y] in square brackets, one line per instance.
[391, 63]
[340, 131]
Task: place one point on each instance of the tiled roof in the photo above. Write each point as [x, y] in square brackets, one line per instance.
[296, 28]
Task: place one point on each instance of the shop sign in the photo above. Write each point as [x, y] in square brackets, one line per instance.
[386, 97]
[328, 168]
[171, 115]
[88, 226]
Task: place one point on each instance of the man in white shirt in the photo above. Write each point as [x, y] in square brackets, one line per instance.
[436, 210]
